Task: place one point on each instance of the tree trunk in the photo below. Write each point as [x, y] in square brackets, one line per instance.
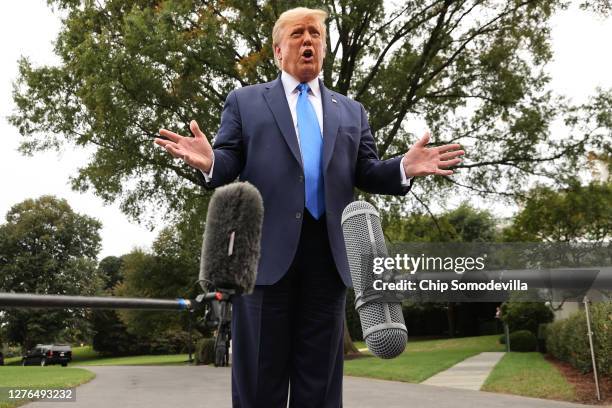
[349, 346]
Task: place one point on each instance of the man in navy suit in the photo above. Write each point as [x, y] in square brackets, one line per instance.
[305, 148]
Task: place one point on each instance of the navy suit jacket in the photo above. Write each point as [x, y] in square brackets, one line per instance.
[257, 143]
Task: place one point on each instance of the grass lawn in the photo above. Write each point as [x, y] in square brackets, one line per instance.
[41, 377]
[422, 359]
[171, 359]
[86, 356]
[530, 375]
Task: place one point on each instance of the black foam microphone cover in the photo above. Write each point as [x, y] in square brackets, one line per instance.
[382, 323]
[232, 235]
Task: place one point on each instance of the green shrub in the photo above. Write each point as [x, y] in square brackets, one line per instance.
[601, 325]
[579, 353]
[523, 340]
[171, 342]
[567, 339]
[502, 339]
[553, 343]
[525, 315]
[205, 351]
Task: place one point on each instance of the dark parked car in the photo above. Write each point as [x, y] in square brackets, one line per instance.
[48, 354]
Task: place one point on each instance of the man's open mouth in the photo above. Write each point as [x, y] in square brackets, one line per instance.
[307, 54]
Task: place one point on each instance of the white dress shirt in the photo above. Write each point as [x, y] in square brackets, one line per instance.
[314, 96]
[290, 84]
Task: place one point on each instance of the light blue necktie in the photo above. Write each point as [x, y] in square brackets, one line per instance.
[311, 144]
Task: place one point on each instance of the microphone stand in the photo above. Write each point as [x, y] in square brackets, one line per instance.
[219, 316]
[218, 307]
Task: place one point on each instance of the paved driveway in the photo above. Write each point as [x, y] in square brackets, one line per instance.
[203, 387]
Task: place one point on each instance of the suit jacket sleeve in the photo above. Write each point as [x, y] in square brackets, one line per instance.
[372, 174]
[228, 146]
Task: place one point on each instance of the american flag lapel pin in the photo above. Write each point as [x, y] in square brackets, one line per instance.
[334, 100]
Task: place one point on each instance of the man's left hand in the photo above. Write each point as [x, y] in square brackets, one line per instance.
[421, 160]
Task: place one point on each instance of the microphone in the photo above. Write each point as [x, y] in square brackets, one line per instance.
[382, 323]
[231, 243]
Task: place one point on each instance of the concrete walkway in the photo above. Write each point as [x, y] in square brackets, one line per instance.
[209, 387]
[470, 374]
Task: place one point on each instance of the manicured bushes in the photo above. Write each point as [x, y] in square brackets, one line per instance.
[567, 339]
[525, 315]
[601, 325]
[523, 340]
[170, 342]
[205, 351]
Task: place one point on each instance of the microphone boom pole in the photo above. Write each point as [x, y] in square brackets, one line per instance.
[93, 302]
[218, 314]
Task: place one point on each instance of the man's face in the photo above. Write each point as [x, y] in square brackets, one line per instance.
[301, 49]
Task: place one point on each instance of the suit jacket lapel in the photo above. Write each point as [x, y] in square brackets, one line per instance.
[331, 121]
[277, 101]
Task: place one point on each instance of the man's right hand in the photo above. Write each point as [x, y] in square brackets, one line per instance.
[195, 151]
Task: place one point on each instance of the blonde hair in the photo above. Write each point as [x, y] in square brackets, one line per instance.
[294, 14]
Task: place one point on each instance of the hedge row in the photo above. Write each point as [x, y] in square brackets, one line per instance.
[523, 340]
[567, 339]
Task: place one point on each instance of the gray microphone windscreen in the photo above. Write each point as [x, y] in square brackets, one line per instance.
[382, 324]
[232, 235]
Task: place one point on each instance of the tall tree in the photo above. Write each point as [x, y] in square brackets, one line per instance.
[473, 69]
[109, 270]
[110, 335]
[463, 224]
[47, 248]
[170, 270]
[578, 213]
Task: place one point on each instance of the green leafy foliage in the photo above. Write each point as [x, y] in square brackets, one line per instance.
[111, 336]
[47, 248]
[525, 315]
[567, 339]
[578, 213]
[474, 71]
[169, 271]
[523, 340]
[463, 224]
[109, 269]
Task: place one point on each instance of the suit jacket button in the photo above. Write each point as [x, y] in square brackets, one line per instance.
[301, 178]
[298, 215]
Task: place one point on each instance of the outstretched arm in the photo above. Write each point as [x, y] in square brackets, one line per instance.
[224, 163]
[195, 151]
[385, 176]
[421, 160]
